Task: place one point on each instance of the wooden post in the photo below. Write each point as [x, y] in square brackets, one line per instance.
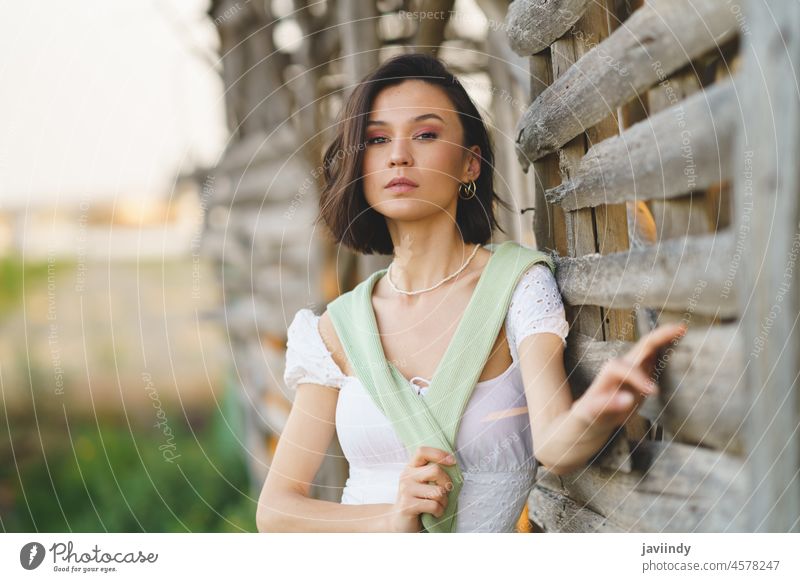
[767, 222]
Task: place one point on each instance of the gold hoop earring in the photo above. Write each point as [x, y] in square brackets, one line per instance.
[471, 188]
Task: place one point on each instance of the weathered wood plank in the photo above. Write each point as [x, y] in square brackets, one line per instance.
[533, 25]
[580, 232]
[684, 148]
[767, 211]
[656, 40]
[678, 274]
[698, 402]
[673, 488]
[548, 220]
[557, 513]
[610, 219]
[684, 215]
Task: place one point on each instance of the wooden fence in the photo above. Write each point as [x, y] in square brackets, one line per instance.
[683, 116]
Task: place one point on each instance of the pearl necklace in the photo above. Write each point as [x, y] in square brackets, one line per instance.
[464, 266]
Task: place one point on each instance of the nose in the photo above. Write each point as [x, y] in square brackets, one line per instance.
[400, 155]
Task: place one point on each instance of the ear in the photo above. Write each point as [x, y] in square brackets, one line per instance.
[472, 164]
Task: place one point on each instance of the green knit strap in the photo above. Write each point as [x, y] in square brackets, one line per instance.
[433, 420]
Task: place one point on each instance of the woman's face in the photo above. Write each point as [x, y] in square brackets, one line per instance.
[414, 132]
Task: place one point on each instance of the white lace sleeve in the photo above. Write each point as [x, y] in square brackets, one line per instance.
[307, 358]
[536, 306]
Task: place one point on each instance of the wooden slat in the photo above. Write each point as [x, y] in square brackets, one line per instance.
[532, 26]
[582, 232]
[682, 215]
[548, 220]
[678, 274]
[673, 488]
[698, 401]
[657, 39]
[610, 220]
[767, 208]
[653, 157]
[584, 356]
[685, 214]
[556, 513]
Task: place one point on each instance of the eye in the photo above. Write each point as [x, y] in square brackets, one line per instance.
[371, 140]
[431, 133]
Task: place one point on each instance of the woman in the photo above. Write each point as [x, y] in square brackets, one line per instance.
[410, 174]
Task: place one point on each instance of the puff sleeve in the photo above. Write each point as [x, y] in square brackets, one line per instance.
[536, 306]
[307, 358]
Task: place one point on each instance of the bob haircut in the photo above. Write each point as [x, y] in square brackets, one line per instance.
[343, 207]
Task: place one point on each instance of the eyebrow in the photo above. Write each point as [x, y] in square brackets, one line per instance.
[416, 119]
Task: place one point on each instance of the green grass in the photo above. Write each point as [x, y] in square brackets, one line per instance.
[13, 273]
[107, 479]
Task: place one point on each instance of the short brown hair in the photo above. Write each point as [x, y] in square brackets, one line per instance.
[343, 207]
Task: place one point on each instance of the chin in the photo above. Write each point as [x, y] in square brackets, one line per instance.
[407, 209]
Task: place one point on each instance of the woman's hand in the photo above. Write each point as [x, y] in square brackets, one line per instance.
[415, 495]
[622, 383]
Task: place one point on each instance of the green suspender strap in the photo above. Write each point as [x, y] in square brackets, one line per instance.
[433, 419]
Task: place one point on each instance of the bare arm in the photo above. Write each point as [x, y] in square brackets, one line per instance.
[562, 440]
[567, 433]
[284, 504]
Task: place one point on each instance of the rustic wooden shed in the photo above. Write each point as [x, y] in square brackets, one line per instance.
[649, 145]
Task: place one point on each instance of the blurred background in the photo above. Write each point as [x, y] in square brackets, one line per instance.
[158, 182]
[118, 405]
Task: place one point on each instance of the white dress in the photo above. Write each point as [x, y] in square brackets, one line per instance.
[493, 443]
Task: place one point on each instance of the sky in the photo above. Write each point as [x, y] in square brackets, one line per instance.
[101, 99]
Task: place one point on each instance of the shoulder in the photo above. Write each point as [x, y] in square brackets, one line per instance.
[538, 277]
[302, 326]
[315, 331]
[308, 358]
[536, 304]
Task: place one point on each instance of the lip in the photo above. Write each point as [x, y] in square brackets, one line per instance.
[401, 184]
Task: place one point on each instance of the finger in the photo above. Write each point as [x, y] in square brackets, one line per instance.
[433, 492]
[428, 506]
[434, 473]
[623, 400]
[620, 411]
[624, 373]
[427, 493]
[647, 347]
[424, 455]
[649, 344]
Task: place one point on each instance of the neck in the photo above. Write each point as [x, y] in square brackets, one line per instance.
[423, 257]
